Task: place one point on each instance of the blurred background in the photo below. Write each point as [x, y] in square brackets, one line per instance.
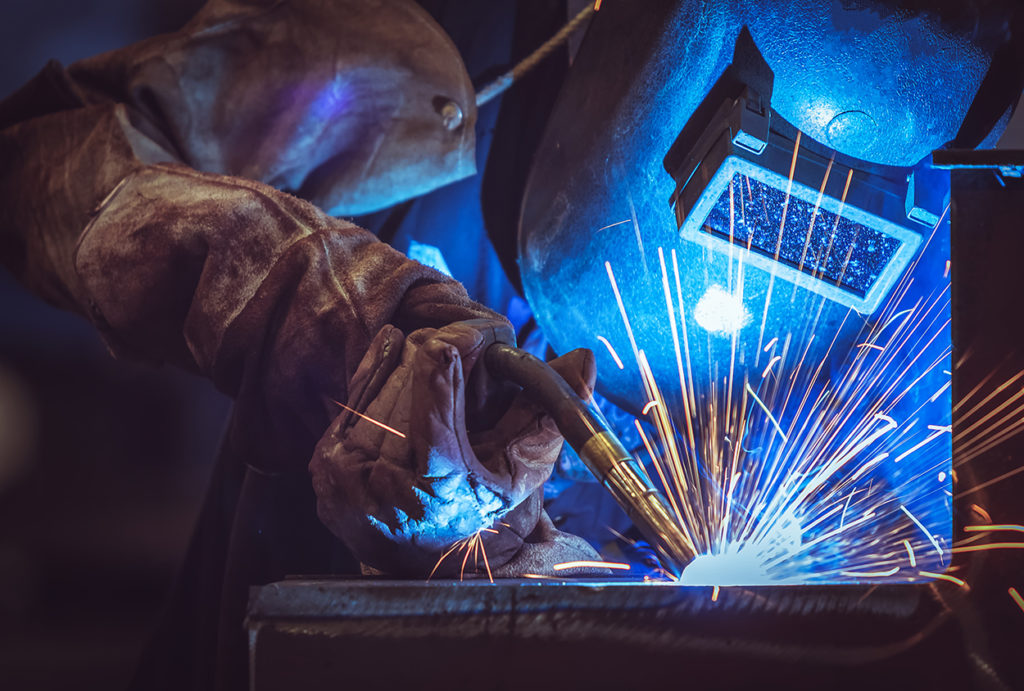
[103, 464]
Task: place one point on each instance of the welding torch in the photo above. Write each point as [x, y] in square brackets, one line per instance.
[599, 449]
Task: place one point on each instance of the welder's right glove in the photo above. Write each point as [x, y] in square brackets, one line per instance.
[429, 450]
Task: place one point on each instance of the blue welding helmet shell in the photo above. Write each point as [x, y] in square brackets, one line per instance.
[868, 89]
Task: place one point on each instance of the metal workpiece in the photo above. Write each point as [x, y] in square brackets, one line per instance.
[308, 635]
[600, 450]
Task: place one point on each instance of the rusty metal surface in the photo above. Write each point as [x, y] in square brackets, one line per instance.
[317, 634]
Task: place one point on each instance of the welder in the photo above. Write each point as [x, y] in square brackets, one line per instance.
[183, 194]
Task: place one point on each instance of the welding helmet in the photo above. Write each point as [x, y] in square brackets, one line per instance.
[669, 101]
[734, 203]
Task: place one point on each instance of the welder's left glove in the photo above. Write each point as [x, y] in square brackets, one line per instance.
[430, 450]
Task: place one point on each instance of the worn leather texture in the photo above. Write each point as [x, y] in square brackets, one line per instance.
[422, 469]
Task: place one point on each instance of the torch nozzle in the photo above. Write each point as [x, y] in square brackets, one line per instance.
[599, 449]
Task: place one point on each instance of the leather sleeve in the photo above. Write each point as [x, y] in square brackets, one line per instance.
[142, 189]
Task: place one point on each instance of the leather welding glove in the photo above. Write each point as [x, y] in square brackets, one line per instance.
[433, 466]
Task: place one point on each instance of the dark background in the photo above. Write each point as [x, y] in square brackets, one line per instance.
[102, 464]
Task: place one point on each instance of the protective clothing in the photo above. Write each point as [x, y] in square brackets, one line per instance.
[126, 197]
[401, 499]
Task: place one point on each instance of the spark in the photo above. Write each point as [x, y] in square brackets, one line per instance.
[989, 528]
[612, 225]
[597, 5]
[871, 574]
[981, 512]
[988, 546]
[814, 216]
[789, 191]
[636, 231]
[472, 545]
[714, 593]
[622, 309]
[871, 345]
[944, 577]
[369, 419]
[778, 242]
[583, 564]
[886, 419]
[767, 412]
[1017, 598]
[611, 350]
[483, 552]
[910, 553]
[769, 367]
[938, 393]
[989, 483]
[917, 446]
[924, 530]
[647, 408]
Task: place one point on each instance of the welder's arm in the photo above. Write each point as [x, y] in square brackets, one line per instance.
[271, 298]
[278, 303]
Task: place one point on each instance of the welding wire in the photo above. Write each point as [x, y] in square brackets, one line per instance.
[502, 83]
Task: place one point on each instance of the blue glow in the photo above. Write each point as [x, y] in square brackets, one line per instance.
[806, 447]
[331, 101]
[429, 256]
[736, 567]
[718, 311]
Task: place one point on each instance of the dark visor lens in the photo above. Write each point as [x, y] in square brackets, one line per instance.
[836, 249]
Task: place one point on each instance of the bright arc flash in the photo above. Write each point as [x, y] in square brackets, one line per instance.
[721, 312]
[730, 568]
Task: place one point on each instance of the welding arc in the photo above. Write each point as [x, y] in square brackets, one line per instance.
[598, 448]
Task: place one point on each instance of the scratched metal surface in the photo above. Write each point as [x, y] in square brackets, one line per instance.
[318, 633]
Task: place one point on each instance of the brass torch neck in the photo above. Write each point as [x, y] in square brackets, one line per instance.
[599, 449]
